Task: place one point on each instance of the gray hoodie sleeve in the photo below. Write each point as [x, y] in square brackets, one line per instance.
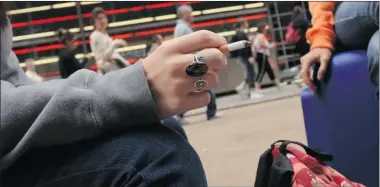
[68, 110]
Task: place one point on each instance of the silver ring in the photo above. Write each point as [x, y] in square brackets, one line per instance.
[200, 83]
[198, 59]
[197, 67]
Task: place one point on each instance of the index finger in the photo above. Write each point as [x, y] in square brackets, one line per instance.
[196, 41]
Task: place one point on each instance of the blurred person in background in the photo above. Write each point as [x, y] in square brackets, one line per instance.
[155, 43]
[342, 25]
[92, 130]
[296, 32]
[263, 48]
[104, 48]
[183, 28]
[31, 71]
[68, 64]
[244, 56]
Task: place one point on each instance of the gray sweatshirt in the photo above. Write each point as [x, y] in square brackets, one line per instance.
[181, 29]
[63, 111]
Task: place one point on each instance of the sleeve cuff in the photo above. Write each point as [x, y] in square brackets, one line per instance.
[127, 97]
[322, 42]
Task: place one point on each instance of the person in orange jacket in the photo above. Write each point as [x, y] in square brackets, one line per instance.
[355, 25]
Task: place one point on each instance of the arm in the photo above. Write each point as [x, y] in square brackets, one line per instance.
[117, 55]
[233, 39]
[321, 35]
[264, 42]
[73, 109]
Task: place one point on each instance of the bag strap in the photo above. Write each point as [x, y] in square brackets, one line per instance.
[322, 156]
[264, 169]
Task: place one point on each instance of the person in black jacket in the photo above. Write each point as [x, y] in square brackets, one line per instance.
[243, 55]
[301, 24]
[68, 64]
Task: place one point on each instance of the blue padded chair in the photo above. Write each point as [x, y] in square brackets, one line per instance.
[343, 118]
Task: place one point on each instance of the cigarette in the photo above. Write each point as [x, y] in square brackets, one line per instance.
[235, 46]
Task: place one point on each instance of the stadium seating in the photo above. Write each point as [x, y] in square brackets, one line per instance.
[343, 118]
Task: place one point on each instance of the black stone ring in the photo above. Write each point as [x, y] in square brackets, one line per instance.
[197, 67]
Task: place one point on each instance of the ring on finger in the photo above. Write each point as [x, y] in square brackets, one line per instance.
[197, 67]
[200, 83]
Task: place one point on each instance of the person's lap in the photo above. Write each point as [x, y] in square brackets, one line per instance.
[355, 23]
[142, 156]
[357, 27]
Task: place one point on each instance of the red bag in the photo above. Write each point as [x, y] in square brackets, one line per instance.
[292, 35]
[284, 166]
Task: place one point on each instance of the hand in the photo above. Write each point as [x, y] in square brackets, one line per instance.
[165, 70]
[119, 43]
[251, 60]
[273, 45]
[316, 55]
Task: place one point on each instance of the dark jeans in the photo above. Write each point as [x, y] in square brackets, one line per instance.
[172, 123]
[147, 155]
[250, 73]
[211, 107]
[357, 27]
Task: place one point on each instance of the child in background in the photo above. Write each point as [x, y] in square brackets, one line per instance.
[31, 71]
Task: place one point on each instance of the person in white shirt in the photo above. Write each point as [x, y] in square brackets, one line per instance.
[31, 71]
[263, 47]
[104, 48]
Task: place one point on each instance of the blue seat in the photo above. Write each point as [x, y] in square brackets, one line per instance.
[343, 119]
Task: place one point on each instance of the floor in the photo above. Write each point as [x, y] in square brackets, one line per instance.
[230, 147]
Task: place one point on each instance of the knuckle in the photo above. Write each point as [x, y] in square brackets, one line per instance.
[216, 54]
[206, 36]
